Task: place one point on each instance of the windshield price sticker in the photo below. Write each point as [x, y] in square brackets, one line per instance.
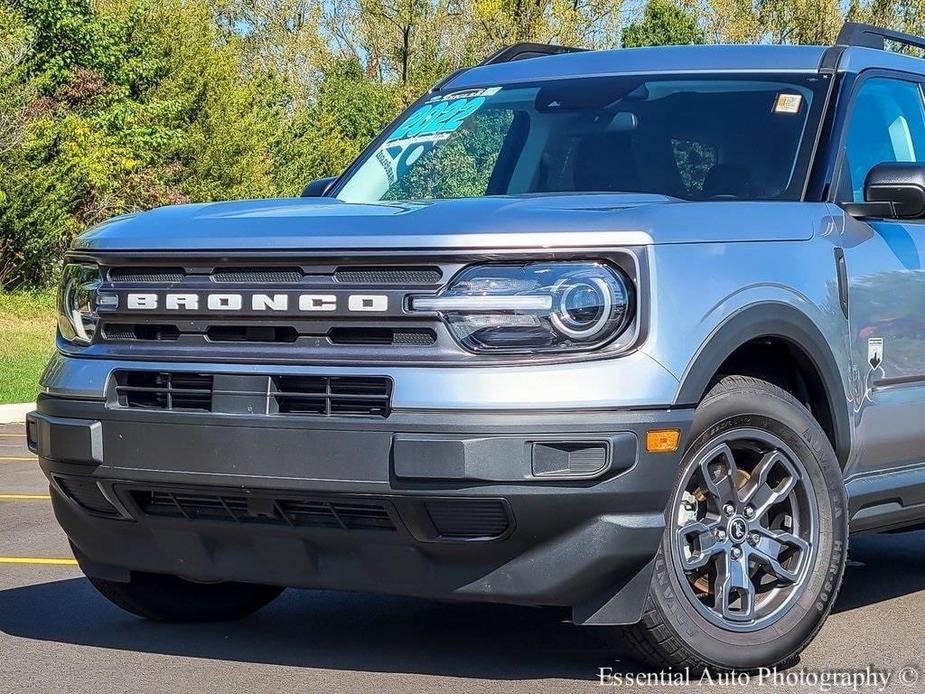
[437, 118]
[442, 115]
[465, 94]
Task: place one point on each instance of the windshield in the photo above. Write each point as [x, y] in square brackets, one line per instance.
[703, 137]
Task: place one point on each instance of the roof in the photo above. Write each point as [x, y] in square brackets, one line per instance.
[679, 60]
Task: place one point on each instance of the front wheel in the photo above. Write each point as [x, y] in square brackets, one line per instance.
[756, 537]
[165, 598]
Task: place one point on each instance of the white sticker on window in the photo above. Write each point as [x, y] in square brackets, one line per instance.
[788, 103]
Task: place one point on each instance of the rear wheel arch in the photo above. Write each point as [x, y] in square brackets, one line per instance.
[808, 351]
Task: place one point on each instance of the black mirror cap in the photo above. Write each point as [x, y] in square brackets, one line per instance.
[899, 187]
[319, 188]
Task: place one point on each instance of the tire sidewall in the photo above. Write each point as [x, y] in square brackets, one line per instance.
[786, 637]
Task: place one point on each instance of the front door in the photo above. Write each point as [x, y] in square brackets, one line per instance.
[886, 281]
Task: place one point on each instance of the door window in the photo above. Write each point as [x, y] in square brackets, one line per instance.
[887, 125]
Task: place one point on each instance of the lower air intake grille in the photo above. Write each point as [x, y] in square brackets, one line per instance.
[87, 494]
[320, 396]
[469, 519]
[265, 510]
[327, 396]
[164, 390]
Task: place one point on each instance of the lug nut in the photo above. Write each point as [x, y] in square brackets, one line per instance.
[719, 534]
[729, 509]
[749, 512]
[736, 552]
[754, 538]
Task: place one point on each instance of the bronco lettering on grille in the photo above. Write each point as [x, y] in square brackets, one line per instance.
[191, 301]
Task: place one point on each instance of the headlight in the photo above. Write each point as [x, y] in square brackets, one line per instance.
[77, 303]
[553, 307]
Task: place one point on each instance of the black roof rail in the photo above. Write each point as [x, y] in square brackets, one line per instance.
[523, 51]
[869, 36]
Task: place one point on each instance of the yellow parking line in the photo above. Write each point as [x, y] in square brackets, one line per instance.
[24, 497]
[38, 560]
[8, 459]
[12, 436]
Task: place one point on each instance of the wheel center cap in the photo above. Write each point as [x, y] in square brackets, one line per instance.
[738, 529]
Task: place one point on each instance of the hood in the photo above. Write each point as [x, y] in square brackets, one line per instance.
[535, 221]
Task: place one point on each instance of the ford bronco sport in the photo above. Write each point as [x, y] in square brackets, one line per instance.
[638, 333]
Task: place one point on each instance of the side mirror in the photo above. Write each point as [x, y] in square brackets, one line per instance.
[318, 188]
[893, 190]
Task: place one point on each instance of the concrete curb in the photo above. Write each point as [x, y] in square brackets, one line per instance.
[11, 414]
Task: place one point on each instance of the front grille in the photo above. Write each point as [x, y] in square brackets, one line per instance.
[280, 334]
[87, 494]
[258, 276]
[288, 310]
[262, 509]
[415, 276]
[164, 390]
[406, 276]
[141, 331]
[382, 336]
[469, 519]
[150, 274]
[252, 333]
[296, 395]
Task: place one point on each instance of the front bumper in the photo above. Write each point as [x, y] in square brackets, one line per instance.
[451, 505]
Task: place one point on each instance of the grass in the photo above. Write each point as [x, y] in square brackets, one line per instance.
[27, 340]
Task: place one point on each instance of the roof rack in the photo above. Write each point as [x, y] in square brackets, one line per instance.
[869, 36]
[523, 51]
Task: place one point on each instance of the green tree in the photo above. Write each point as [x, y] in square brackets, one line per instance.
[325, 135]
[664, 23]
[144, 105]
[15, 43]
[814, 22]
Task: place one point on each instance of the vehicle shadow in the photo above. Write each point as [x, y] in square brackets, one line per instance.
[882, 567]
[341, 631]
[362, 632]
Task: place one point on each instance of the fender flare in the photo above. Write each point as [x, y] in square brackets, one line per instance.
[779, 320]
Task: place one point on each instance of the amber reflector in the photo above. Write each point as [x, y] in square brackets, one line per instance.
[662, 440]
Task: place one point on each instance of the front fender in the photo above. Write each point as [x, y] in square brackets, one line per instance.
[779, 320]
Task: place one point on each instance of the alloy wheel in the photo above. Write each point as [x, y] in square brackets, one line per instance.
[743, 529]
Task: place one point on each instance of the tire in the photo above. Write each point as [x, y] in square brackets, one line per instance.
[163, 598]
[708, 617]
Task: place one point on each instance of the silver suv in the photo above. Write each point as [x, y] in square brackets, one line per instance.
[639, 333]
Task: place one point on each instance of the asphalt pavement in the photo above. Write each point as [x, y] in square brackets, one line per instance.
[58, 635]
